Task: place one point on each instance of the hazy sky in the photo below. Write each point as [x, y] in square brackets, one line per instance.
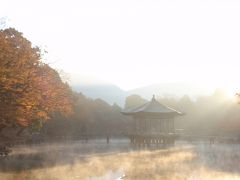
[134, 43]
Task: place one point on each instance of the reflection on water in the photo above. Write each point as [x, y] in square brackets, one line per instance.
[110, 175]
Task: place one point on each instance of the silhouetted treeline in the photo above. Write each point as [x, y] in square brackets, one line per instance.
[206, 115]
[93, 118]
[216, 115]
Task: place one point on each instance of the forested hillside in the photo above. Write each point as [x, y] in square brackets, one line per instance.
[94, 118]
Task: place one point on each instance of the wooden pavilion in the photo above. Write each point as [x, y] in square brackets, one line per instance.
[153, 123]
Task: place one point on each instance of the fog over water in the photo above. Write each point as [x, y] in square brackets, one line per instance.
[99, 161]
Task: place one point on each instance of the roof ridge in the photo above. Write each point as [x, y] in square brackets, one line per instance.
[152, 106]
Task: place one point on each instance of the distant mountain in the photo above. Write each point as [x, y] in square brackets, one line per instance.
[108, 92]
[113, 94]
[170, 90]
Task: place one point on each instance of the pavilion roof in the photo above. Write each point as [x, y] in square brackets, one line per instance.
[152, 107]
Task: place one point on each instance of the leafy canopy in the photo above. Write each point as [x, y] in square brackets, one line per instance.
[29, 89]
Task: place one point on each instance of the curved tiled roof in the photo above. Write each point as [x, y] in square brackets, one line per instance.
[152, 107]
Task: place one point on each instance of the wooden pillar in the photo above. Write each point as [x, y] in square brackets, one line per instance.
[168, 125]
[159, 125]
[145, 125]
[140, 125]
[162, 125]
[173, 125]
[150, 126]
[134, 124]
[131, 139]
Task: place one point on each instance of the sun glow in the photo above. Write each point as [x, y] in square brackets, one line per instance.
[133, 44]
[230, 89]
[231, 92]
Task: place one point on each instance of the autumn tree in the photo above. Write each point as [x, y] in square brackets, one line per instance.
[29, 89]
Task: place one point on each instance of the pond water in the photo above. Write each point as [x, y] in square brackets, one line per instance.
[119, 160]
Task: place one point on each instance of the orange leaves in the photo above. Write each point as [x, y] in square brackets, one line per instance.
[42, 115]
[22, 122]
[55, 93]
[29, 89]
